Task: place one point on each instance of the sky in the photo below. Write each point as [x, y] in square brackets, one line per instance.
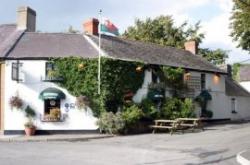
[58, 15]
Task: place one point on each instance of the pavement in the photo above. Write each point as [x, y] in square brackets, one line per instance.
[218, 144]
[53, 137]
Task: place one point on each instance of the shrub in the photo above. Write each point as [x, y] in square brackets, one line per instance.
[149, 109]
[175, 108]
[111, 123]
[208, 114]
[131, 115]
[187, 108]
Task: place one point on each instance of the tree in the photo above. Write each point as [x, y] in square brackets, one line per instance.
[162, 30]
[72, 30]
[240, 23]
[217, 56]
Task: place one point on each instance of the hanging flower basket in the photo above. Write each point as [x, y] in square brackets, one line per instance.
[82, 102]
[16, 102]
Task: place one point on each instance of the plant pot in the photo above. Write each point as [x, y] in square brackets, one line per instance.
[30, 131]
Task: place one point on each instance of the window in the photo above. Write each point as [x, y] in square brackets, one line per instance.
[50, 104]
[154, 77]
[49, 68]
[15, 71]
[203, 81]
[50, 73]
[233, 105]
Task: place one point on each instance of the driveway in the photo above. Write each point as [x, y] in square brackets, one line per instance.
[216, 145]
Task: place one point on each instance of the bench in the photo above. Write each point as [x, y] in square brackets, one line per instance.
[193, 123]
[170, 125]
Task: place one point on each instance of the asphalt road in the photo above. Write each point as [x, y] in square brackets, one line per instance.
[216, 145]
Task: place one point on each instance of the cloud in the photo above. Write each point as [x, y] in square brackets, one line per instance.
[57, 15]
[218, 33]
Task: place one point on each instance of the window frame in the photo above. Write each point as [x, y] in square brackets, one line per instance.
[203, 81]
[16, 66]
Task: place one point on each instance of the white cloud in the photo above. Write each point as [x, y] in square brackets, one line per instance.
[218, 33]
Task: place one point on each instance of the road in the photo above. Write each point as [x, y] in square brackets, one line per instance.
[216, 145]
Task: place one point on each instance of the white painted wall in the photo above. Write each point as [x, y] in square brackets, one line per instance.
[216, 86]
[142, 92]
[242, 108]
[29, 91]
[246, 85]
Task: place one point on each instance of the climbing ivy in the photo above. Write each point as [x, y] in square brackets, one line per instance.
[117, 77]
[235, 71]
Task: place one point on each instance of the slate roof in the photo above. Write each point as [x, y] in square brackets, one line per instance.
[15, 44]
[244, 72]
[153, 54]
[8, 37]
[45, 45]
[234, 89]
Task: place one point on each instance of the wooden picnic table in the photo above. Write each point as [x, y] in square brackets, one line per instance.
[170, 125]
[194, 123]
[177, 124]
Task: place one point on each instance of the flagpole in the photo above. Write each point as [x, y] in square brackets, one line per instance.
[99, 53]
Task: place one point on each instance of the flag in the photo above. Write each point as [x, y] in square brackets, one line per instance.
[109, 27]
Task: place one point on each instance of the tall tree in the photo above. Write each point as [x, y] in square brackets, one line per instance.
[216, 57]
[162, 30]
[240, 23]
[72, 30]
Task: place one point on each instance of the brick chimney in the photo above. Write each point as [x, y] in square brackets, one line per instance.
[26, 19]
[91, 26]
[191, 46]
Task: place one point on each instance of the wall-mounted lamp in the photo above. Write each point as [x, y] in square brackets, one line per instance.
[216, 78]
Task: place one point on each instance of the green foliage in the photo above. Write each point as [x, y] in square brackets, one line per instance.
[131, 115]
[120, 122]
[174, 79]
[29, 124]
[176, 108]
[208, 114]
[240, 23]
[29, 112]
[216, 57]
[149, 109]
[111, 123]
[202, 99]
[80, 78]
[162, 30]
[187, 109]
[236, 71]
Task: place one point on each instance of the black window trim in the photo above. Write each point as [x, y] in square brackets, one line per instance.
[16, 77]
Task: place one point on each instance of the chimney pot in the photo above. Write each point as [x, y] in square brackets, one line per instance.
[26, 19]
[191, 46]
[91, 26]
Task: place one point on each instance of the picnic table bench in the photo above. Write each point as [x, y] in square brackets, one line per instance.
[193, 123]
[171, 125]
[177, 124]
